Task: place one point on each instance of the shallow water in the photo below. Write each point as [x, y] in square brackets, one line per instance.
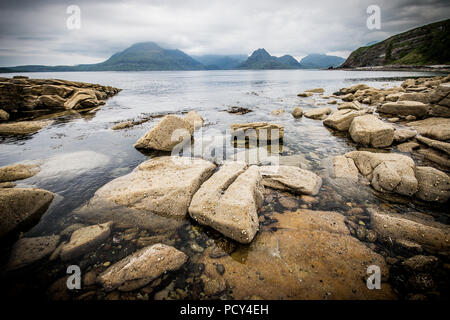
[80, 153]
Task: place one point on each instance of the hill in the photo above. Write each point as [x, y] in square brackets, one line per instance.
[261, 59]
[221, 62]
[426, 45]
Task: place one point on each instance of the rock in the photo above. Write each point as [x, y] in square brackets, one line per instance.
[84, 240]
[292, 179]
[89, 278]
[421, 263]
[82, 98]
[20, 208]
[401, 135]
[169, 132]
[51, 102]
[142, 267]
[394, 96]
[256, 131]
[18, 171]
[439, 145]
[23, 127]
[393, 120]
[154, 195]
[434, 185]
[305, 94]
[354, 105]
[404, 108]
[277, 112]
[297, 112]
[344, 167]
[293, 261]
[347, 97]
[410, 118]
[123, 125]
[233, 211]
[318, 113]
[316, 90]
[387, 171]
[341, 119]
[434, 128]
[415, 96]
[408, 146]
[194, 119]
[238, 110]
[409, 246]
[430, 234]
[368, 130]
[28, 250]
[4, 116]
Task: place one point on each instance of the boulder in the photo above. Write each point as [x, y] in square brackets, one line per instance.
[84, 240]
[368, 130]
[404, 108]
[434, 185]
[292, 179]
[20, 208]
[169, 132]
[23, 127]
[344, 167]
[434, 128]
[18, 171]
[256, 131]
[194, 119]
[28, 250]
[341, 119]
[318, 113]
[435, 236]
[142, 267]
[292, 260]
[297, 112]
[232, 210]
[155, 195]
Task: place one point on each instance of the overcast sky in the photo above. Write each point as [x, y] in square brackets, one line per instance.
[35, 32]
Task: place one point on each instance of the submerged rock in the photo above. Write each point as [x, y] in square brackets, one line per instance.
[21, 208]
[368, 130]
[18, 171]
[85, 239]
[142, 267]
[229, 202]
[123, 125]
[292, 179]
[23, 127]
[293, 261]
[277, 112]
[28, 250]
[169, 132]
[151, 196]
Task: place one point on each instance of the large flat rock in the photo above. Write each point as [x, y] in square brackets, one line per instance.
[434, 128]
[308, 255]
[154, 195]
[404, 108]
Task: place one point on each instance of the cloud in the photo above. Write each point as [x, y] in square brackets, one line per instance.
[35, 32]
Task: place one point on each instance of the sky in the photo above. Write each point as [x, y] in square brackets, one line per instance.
[36, 32]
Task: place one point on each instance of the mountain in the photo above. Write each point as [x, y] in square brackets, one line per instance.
[145, 56]
[321, 61]
[426, 45]
[261, 59]
[221, 62]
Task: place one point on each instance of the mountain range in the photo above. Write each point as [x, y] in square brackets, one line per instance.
[148, 56]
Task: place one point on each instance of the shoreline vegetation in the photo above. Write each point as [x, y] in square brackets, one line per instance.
[225, 207]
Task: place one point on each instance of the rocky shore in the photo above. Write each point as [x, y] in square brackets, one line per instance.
[249, 227]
